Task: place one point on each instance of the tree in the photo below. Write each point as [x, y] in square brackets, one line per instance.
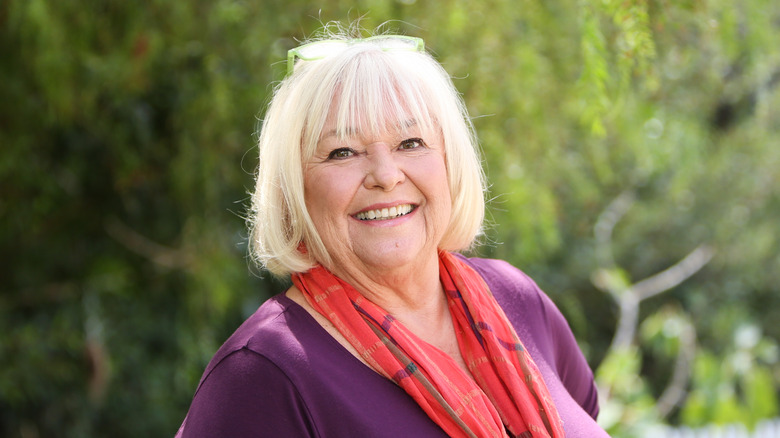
[127, 152]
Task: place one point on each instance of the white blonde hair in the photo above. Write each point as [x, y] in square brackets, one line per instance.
[372, 89]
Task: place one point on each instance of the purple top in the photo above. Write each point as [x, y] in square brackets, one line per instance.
[282, 375]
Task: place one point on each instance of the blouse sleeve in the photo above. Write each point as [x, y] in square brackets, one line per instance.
[246, 395]
[570, 363]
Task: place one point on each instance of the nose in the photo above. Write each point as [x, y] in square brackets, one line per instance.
[383, 171]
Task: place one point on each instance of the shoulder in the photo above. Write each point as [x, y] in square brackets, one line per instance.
[281, 374]
[542, 328]
[493, 270]
[535, 317]
[265, 333]
[249, 387]
[513, 289]
[501, 275]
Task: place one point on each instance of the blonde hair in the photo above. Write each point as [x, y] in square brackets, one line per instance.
[372, 89]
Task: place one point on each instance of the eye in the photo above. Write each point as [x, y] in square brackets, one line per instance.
[340, 153]
[411, 143]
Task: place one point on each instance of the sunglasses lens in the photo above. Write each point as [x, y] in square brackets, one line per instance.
[319, 49]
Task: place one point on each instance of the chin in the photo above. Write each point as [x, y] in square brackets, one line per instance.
[394, 255]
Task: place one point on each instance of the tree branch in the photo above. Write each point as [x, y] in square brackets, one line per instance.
[675, 392]
[167, 257]
[675, 274]
[606, 223]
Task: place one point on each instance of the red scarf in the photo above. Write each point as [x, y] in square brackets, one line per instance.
[503, 396]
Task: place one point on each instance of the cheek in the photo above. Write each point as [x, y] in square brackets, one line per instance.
[327, 192]
[443, 191]
[435, 177]
[432, 182]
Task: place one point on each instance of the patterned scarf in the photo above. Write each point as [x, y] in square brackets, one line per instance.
[503, 396]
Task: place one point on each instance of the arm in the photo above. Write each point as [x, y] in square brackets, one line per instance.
[570, 363]
[246, 395]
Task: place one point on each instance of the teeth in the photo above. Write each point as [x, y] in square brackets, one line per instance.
[385, 213]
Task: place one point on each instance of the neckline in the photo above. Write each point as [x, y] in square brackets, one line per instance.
[289, 305]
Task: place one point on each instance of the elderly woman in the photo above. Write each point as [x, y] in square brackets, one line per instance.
[369, 181]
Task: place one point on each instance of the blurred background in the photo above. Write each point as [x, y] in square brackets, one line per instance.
[631, 147]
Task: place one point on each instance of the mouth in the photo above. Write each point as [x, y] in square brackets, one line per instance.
[385, 213]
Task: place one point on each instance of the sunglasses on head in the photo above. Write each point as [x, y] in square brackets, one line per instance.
[322, 49]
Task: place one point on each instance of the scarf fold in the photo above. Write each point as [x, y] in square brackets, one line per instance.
[504, 394]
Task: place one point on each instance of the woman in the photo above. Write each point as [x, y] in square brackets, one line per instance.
[369, 179]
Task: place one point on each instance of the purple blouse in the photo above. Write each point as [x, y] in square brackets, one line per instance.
[282, 375]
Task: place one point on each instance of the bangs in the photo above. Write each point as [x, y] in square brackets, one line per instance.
[373, 93]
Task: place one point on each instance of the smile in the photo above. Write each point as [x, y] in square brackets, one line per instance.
[385, 213]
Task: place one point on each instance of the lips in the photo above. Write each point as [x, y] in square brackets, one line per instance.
[385, 213]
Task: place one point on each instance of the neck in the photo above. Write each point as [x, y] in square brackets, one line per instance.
[415, 297]
[407, 290]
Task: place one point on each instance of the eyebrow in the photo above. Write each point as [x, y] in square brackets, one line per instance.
[352, 132]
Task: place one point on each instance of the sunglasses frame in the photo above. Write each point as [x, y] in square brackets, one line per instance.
[411, 44]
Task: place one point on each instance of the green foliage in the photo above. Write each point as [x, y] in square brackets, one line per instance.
[738, 386]
[126, 152]
[627, 406]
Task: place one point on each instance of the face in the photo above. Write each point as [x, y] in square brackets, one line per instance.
[378, 203]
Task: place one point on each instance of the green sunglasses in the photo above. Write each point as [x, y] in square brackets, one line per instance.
[322, 49]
